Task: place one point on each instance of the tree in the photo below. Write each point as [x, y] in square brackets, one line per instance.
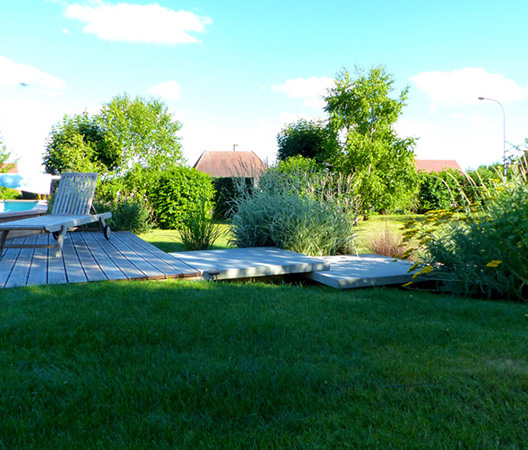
[124, 135]
[307, 138]
[363, 115]
[143, 130]
[5, 166]
[77, 144]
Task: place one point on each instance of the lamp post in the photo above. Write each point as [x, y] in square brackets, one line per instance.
[504, 131]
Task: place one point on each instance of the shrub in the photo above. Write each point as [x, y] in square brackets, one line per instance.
[128, 214]
[481, 249]
[177, 192]
[198, 230]
[301, 211]
[226, 191]
[8, 194]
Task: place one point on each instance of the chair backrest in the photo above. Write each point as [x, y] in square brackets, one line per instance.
[75, 194]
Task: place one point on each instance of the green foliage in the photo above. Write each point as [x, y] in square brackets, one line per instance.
[198, 230]
[306, 212]
[307, 138]
[143, 130]
[78, 144]
[129, 142]
[177, 193]
[481, 249]
[440, 190]
[363, 114]
[5, 165]
[128, 214]
[226, 191]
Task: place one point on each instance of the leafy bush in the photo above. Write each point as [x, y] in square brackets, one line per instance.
[8, 194]
[302, 211]
[481, 249]
[128, 214]
[198, 230]
[178, 192]
[438, 190]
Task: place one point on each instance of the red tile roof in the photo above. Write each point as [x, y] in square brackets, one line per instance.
[13, 169]
[437, 165]
[230, 164]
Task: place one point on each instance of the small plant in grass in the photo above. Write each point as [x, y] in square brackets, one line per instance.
[387, 243]
[198, 230]
[305, 211]
[481, 248]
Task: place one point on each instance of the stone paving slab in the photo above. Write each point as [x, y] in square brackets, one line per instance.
[235, 263]
[347, 271]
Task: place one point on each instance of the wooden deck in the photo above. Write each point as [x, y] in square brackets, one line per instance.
[88, 256]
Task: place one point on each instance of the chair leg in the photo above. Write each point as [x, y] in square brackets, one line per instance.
[60, 241]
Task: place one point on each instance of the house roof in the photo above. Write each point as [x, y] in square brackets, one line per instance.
[13, 169]
[437, 165]
[230, 164]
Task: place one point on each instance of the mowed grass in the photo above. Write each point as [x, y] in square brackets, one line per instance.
[195, 365]
[170, 241]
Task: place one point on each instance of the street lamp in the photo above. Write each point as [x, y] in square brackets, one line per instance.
[503, 128]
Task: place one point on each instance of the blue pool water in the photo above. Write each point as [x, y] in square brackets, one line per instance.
[14, 206]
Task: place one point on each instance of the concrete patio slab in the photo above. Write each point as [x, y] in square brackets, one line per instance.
[348, 271]
[234, 263]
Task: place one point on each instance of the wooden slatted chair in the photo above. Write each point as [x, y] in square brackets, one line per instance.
[71, 209]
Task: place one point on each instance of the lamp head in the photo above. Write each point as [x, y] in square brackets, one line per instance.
[481, 98]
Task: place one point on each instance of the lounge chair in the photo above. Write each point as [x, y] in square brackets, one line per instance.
[71, 209]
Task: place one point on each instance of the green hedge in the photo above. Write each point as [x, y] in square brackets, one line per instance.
[178, 192]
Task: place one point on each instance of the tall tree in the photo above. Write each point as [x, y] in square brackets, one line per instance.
[307, 138]
[363, 115]
[77, 144]
[144, 130]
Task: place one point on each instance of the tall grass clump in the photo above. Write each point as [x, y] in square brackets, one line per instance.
[481, 249]
[386, 242]
[301, 209]
[198, 230]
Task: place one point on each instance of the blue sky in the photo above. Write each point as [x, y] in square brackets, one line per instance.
[236, 72]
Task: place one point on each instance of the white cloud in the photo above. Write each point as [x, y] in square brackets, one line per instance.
[412, 128]
[311, 90]
[138, 23]
[13, 74]
[169, 90]
[463, 87]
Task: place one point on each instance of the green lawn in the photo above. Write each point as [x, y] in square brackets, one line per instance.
[169, 240]
[192, 365]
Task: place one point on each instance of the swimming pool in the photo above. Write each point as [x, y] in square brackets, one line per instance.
[21, 209]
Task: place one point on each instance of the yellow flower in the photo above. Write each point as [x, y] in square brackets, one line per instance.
[494, 263]
[423, 271]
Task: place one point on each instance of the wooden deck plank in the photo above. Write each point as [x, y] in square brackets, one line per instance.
[112, 248]
[163, 261]
[7, 263]
[101, 256]
[38, 273]
[87, 257]
[137, 259]
[92, 270]
[74, 270]
[56, 266]
[20, 272]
